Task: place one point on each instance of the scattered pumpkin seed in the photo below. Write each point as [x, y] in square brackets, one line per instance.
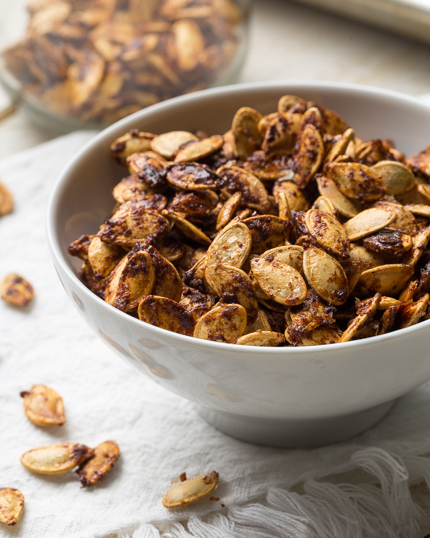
[191, 490]
[43, 406]
[11, 505]
[56, 459]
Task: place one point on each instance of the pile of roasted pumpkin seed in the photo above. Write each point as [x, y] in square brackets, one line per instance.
[100, 60]
[286, 230]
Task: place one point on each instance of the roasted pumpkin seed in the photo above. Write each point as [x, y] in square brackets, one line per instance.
[231, 246]
[6, 200]
[253, 192]
[93, 470]
[320, 336]
[228, 210]
[232, 285]
[192, 176]
[130, 281]
[16, 290]
[132, 142]
[166, 314]
[325, 275]
[224, 323]
[397, 177]
[43, 406]
[328, 232]
[168, 144]
[384, 279]
[247, 138]
[11, 505]
[281, 282]
[367, 222]
[187, 228]
[195, 150]
[365, 311]
[261, 338]
[132, 222]
[267, 232]
[190, 491]
[357, 181]
[308, 155]
[56, 459]
[327, 187]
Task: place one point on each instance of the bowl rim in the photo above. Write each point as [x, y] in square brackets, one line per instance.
[62, 180]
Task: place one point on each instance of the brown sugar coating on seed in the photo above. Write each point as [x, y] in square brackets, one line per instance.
[278, 226]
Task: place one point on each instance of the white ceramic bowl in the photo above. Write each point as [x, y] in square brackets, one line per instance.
[276, 396]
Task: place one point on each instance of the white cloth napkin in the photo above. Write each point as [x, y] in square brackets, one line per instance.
[370, 487]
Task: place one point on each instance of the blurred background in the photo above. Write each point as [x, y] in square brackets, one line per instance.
[284, 41]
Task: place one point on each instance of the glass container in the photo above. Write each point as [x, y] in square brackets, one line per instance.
[88, 63]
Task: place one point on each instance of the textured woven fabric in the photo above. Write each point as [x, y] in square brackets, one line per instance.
[371, 487]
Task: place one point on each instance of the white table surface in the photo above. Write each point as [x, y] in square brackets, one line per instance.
[290, 41]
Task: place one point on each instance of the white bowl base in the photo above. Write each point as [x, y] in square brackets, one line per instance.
[295, 433]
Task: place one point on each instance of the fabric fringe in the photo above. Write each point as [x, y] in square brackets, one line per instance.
[379, 507]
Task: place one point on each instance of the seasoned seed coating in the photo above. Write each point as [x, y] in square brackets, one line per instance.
[287, 223]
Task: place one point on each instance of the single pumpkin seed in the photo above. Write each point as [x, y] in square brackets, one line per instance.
[424, 189]
[231, 246]
[290, 254]
[192, 176]
[287, 102]
[6, 200]
[421, 210]
[385, 279]
[198, 203]
[168, 144]
[280, 135]
[357, 181]
[328, 232]
[56, 459]
[11, 505]
[308, 156]
[103, 257]
[262, 323]
[130, 281]
[188, 43]
[397, 177]
[404, 221]
[228, 210]
[281, 282]
[267, 232]
[365, 312]
[132, 142]
[311, 313]
[167, 283]
[324, 204]
[419, 244]
[224, 323]
[247, 138]
[187, 228]
[420, 163]
[339, 148]
[410, 313]
[327, 187]
[43, 406]
[295, 197]
[387, 302]
[93, 470]
[166, 314]
[132, 222]
[368, 221]
[233, 285]
[326, 276]
[198, 149]
[190, 491]
[320, 336]
[254, 193]
[261, 338]
[16, 290]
